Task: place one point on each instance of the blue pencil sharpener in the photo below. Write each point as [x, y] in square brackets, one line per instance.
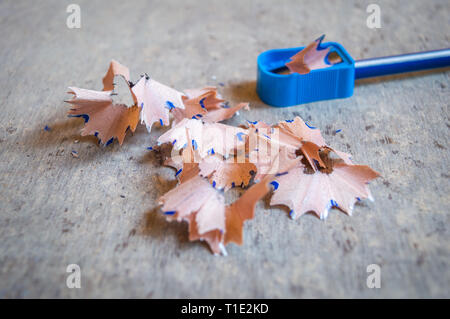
[335, 81]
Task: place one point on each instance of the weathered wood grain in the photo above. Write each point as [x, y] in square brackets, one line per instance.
[99, 210]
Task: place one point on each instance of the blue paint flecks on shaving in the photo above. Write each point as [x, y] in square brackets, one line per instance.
[275, 185]
[319, 39]
[170, 105]
[337, 131]
[214, 184]
[333, 203]
[178, 172]
[202, 103]
[233, 185]
[47, 128]
[311, 127]
[161, 122]
[194, 144]
[289, 121]
[142, 104]
[359, 199]
[212, 151]
[150, 148]
[170, 212]
[281, 174]
[110, 141]
[84, 116]
[316, 162]
[254, 123]
[239, 136]
[174, 141]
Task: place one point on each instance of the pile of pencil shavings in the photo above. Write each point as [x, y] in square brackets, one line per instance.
[289, 159]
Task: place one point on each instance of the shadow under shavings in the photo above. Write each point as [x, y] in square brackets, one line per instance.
[66, 133]
[163, 185]
[400, 76]
[157, 155]
[282, 208]
[58, 133]
[244, 91]
[155, 225]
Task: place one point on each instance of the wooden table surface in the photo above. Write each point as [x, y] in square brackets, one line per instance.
[100, 210]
